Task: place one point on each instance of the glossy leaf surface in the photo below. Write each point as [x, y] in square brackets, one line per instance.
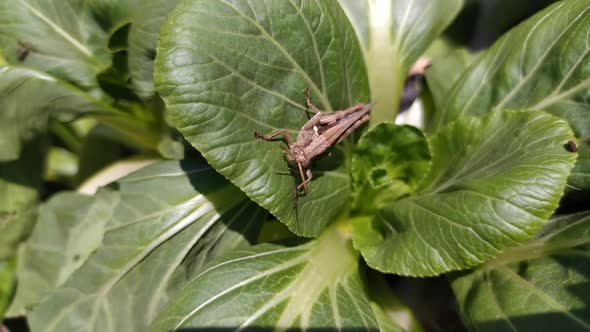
[491, 185]
[227, 69]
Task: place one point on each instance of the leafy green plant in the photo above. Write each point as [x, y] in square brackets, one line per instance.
[136, 197]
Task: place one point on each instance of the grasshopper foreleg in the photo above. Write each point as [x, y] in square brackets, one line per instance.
[283, 132]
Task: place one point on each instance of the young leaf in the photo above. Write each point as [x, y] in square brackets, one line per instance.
[311, 286]
[69, 229]
[164, 211]
[543, 64]
[491, 185]
[227, 69]
[393, 34]
[543, 285]
[143, 40]
[387, 164]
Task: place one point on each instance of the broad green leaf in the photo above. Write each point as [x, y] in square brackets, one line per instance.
[61, 38]
[143, 40]
[28, 99]
[543, 285]
[20, 183]
[70, 227]
[227, 69]
[7, 281]
[492, 183]
[169, 215]
[543, 64]
[311, 286]
[387, 164]
[393, 34]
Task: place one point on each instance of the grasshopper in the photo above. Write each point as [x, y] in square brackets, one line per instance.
[322, 131]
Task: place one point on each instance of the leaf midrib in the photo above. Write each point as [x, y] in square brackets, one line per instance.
[288, 56]
[70, 39]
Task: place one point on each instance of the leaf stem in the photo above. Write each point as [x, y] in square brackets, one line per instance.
[384, 69]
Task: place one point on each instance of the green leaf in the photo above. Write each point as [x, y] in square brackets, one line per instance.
[580, 175]
[61, 38]
[62, 165]
[29, 98]
[491, 185]
[99, 149]
[69, 229]
[393, 34]
[449, 61]
[387, 164]
[7, 281]
[170, 214]
[543, 285]
[391, 314]
[543, 64]
[143, 40]
[227, 69]
[112, 14]
[20, 183]
[315, 285]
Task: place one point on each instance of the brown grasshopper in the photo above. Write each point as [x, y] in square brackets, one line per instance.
[322, 131]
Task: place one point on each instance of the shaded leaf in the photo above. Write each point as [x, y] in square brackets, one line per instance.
[112, 14]
[449, 61]
[543, 64]
[387, 164]
[143, 40]
[491, 185]
[540, 64]
[229, 68]
[316, 285]
[390, 312]
[28, 99]
[20, 183]
[61, 38]
[543, 285]
[69, 229]
[393, 34]
[165, 210]
[98, 150]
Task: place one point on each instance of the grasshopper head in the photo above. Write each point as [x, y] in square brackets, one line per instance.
[296, 155]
